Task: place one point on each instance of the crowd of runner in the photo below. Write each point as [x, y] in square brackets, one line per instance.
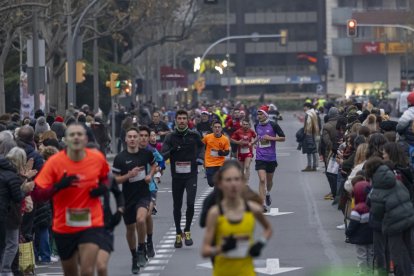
[55, 181]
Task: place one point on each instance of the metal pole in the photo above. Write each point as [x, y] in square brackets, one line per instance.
[35, 60]
[70, 57]
[113, 140]
[95, 71]
[228, 47]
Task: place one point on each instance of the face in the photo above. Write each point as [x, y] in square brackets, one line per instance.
[217, 129]
[385, 156]
[131, 139]
[305, 108]
[76, 137]
[181, 121]
[156, 117]
[236, 114]
[231, 183]
[261, 116]
[153, 137]
[143, 138]
[204, 117]
[245, 126]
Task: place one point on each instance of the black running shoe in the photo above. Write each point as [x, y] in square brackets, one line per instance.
[142, 258]
[135, 267]
[268, 200]
[154, 211]
[150, 250]
[178, 241]
[187, 239]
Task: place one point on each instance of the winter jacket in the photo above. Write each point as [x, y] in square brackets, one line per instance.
[308, 144]
[405, 120]
[358, 230]
[391, 208]
[329, 134]
[43, 215]
[405, 175]
[32, 153]
[10, 192]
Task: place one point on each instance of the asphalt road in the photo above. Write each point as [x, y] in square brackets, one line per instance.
[305, 240]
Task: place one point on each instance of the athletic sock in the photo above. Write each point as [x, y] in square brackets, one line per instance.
[141, 246]
[149, 238]
[133, 253]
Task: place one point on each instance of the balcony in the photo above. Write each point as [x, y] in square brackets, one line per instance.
[341, 15]
[342, 46]
[281, 70]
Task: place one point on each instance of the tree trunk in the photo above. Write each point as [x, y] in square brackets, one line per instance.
[2, 90]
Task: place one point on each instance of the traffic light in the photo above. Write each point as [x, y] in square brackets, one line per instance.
[211, 2]
[283, 37]
[114, 84]
[351, 28]
[126, 87]
[200, 84]
[80, 71]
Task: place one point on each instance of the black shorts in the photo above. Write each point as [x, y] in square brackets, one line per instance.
[107, 243]
[130, 214]
[67, 244]
[268, 166]
[234, 147]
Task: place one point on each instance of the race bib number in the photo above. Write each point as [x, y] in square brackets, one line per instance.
[78, 217]
[241, 250]
[182, 167]
[264, 144]
[214, 153]
[140, 176]
[244, 150]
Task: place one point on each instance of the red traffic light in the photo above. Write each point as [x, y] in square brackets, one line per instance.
[351, 28]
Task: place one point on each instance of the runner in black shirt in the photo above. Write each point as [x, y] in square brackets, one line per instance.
[131, 169]
[204, 126]
[160, 127]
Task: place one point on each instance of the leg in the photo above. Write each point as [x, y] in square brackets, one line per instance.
[149, 222]
[309, 157]
[131, 237]
[191, 190]
[10, 250]
[70, 266]
[379, 253]
[102, 263]
[269, 181]
[88, 253]
[332, 179]
[361, 257]
[399, 253]
[262, 184]
[315, 160]
[247, 163]
[142, 214]
[44, 246]
[178, 188]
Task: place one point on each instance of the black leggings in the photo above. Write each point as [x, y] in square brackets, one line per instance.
[178, 187]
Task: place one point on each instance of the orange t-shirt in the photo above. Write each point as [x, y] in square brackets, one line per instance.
[74, 209]
[213, 145]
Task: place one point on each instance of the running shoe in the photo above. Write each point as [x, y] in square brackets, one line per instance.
[135, 267]
[265, 209]
[187, 239]
[154, 211]
[268, 200]
[142, 258]
[150, 250]
[178, 241]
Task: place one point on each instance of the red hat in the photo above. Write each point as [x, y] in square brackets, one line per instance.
[264, 109]
[59, 119]
[205, 112]
[410, 99]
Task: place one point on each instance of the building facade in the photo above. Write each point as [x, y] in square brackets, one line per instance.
[378, 57]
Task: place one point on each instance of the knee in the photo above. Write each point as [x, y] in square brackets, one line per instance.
[101, 267]
[87, 271]
[141, 219]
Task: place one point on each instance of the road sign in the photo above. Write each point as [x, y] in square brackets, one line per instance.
[275, 212]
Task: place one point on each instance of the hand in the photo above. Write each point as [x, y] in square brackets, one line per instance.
[30, 173]
[221, 153]
[27, 187]
[99, 191]
[134, 172]
[115, 219]
[66, 181]
[29, 164]
[148, 179]
[267, 137]
[229, 243]
[200, 161]
[28, 204]
[256, 249]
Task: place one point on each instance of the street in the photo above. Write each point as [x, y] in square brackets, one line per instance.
[305, 239]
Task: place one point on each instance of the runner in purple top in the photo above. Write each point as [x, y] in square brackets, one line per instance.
[268, 133]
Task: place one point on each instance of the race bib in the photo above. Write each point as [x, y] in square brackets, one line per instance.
[204, 133]
[182, 167]
[244, 150]
[78, 217]
[140, 176]
[241, 250]
[214, 153]
[264, 144]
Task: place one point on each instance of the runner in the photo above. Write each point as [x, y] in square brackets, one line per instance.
[217, 148]
[232, 125]
[268, 133]
[244, 138]
[185, 149]
[160, 127]
[204, 126]
[131, 170]
[68, 177]
[230, 226]
[154, 145]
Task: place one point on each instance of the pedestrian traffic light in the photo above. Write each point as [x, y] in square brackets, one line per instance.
[80, 71]
[114, 84]
[283, 37]
[351, 28]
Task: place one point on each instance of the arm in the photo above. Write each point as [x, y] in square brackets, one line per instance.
[167, 147]
[119, 198]
[280, 135]
[200, 147]
[209, 201]
[207, 250]
[258, 214]
[326, 139]
[14, 187]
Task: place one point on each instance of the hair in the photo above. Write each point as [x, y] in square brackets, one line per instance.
[372, 165]
[364, 130]
[6, 146]
[26, 134]
[215, 122]
[308, 105]
[127, 123]
[49, 134]
[218, 176]
[396, 154]
[361, 153]
[356, 127]
[18, 158]
[156, 112]
[376, 143]
[181, 112]
[144, 128]
[359, 139]
[391, 136]
[246, 121]
[48, 151]
[371, 123]
[132, 128]
[6, 135]
[75, 124]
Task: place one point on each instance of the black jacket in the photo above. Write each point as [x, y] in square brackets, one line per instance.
[32, 153]
[204, 127]
[358, 230]
[10, 183]
[183, 147]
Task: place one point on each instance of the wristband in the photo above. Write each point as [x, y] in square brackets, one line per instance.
[263, 240]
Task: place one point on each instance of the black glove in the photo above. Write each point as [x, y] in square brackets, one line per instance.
[256, 249]
[65, 182]
[229, 243]
[115, 220]
[97, 192]
[222, 153]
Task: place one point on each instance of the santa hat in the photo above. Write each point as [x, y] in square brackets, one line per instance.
[59, 119]
[264, 109]
[205, 112]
